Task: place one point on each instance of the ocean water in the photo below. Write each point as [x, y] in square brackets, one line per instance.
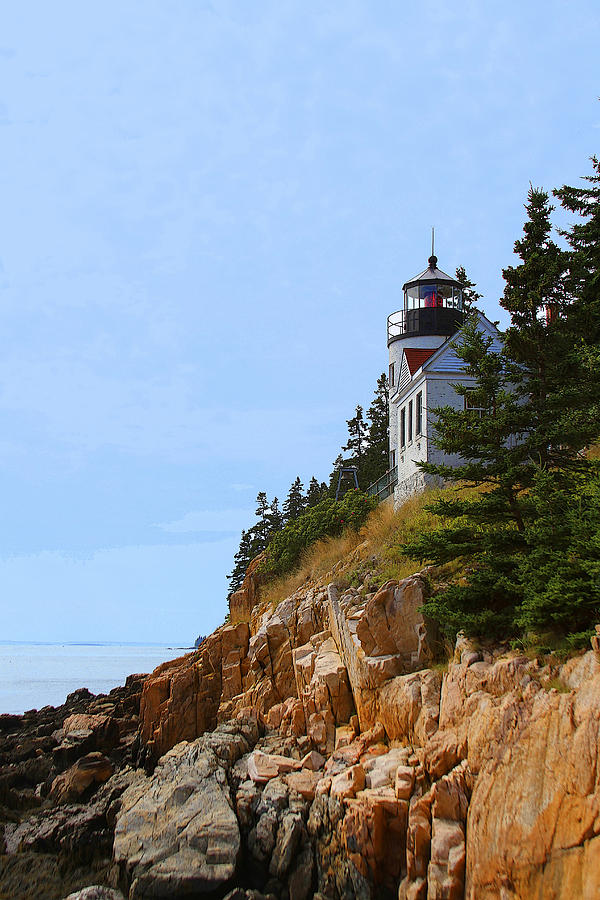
[36, 675]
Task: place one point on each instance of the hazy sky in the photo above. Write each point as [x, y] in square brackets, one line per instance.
[208, 211]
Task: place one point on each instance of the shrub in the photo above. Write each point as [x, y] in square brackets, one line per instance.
[329, 518]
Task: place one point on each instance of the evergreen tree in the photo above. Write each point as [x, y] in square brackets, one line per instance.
[241, 561]
[560, 570]
[295, 503]
[262, 528]
[583, 277]
[581, 324]
[276, 518]
[315, 493]
[470, 296]
[530, 424]
[357, 439]
[375, 462]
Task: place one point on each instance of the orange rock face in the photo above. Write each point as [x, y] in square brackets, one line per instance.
[534, 819]
[481, 782]
[244, 666]
[180, 700]
[243, 601]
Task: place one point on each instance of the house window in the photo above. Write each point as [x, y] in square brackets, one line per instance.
[391, 379]
[473, 405]
[410, 420]
[419, 419]
[403, 426]
[392, 459]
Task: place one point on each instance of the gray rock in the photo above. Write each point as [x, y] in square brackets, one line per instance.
[176, 832]
[288, 838]
[261, 839]
[274, 796]
[96, 892]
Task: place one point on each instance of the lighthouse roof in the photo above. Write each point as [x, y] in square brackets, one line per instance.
[431, 274]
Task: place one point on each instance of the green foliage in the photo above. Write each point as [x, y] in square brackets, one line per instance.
[316, 492]
[295, 502]
[255, 539]
[528, 543]
[326, 519]
[470, 296]
[375, 461]
[560, 570]
[368, 442]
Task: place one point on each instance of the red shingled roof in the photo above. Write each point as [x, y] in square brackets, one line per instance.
[416, 357]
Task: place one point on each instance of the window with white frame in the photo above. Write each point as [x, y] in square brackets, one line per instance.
[475, 404]
[419, 414]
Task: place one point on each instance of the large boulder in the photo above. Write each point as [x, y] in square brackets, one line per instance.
[95, 768]
[177, 833]
[380, 637]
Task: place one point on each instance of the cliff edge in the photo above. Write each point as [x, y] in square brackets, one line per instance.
[408, 779]
[317, 748]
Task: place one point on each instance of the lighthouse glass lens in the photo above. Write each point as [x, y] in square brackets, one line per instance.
[428, 295]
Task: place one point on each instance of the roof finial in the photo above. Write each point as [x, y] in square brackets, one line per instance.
[433, 258]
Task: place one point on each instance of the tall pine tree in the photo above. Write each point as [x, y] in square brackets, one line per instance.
[315, 493]
[357, 440]
[241, 561]
[276, 519]
[527, 433]
[470, 296]
[295, 502]
[375, 461]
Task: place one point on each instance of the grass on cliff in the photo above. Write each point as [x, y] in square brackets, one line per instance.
[374, 551]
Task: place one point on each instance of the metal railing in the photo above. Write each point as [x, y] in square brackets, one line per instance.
[384, 486]
[443, 320]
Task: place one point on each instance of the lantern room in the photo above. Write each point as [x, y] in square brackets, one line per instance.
[433, 305]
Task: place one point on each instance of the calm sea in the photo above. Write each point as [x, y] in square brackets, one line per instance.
[36, 675]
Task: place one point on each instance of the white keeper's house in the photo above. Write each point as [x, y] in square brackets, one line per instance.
[423, 369]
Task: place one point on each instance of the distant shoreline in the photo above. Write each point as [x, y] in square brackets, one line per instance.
[35, 674]
[166, 646]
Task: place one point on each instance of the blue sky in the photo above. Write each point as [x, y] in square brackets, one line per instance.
[208, 211]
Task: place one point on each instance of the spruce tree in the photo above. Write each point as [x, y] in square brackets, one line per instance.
[242, 560]
[295, 502]
[315, 493]
[262, 528]
[357, 440]
[275, 518]
[470, 296]
[584, 263]
[375, 462]
[533, 422]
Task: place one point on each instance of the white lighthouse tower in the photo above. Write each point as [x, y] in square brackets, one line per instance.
[432, 313]
[424, 370]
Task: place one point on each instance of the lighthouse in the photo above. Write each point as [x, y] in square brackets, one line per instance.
[424, 368]
[432, 312]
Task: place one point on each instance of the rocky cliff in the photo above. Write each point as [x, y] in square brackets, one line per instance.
[477, 781]
[317, 749]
